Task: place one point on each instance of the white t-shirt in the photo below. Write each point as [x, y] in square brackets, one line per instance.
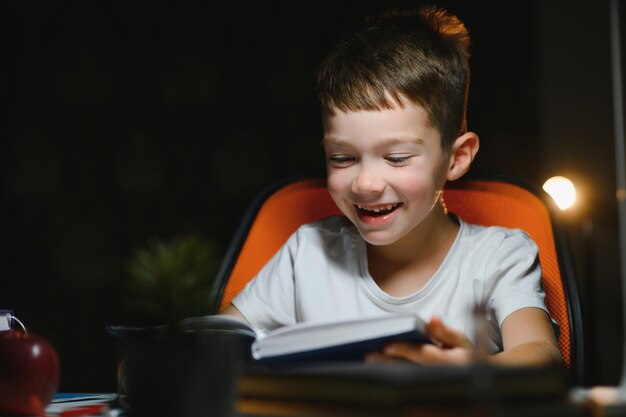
[321, 274]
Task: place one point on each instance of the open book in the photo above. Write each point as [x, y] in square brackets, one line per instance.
[327, 341]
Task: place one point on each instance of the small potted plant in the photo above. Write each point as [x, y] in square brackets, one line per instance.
[171, 280]
[172, 370]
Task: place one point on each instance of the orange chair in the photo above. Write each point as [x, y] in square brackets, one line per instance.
[278, 212]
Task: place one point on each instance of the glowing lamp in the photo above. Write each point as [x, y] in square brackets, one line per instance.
[562, 191]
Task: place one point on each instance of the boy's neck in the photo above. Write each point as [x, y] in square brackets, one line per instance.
[406, 265]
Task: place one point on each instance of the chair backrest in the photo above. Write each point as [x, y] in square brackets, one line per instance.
[281, 210]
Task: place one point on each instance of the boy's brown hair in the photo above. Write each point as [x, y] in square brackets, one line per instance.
[422, 56]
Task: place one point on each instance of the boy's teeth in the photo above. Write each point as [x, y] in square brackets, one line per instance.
[378, 209]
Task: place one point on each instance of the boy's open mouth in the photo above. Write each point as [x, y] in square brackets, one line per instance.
[377, 211]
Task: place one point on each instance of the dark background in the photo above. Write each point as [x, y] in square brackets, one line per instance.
[128, 121]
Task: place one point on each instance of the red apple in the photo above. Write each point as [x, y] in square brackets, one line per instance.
[29, 373]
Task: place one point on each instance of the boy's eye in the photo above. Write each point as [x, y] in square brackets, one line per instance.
[398, 159]
[340, 159]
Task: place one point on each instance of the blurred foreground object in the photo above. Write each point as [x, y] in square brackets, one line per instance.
[183, 370]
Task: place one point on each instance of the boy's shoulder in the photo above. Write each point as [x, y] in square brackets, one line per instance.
[478, 235]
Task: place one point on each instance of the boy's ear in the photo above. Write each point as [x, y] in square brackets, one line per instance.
[462, 153]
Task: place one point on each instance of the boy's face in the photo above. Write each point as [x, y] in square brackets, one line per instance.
[386, 170]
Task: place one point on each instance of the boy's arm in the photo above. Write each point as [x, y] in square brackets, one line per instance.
[528, 339]
[526, 333]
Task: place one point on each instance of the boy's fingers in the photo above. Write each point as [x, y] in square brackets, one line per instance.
[379, 357]
[407, 351]
[450, 346]
[445, 335]
[426, 353]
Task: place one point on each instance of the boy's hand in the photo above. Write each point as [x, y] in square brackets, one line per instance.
[450, 346]
[527, 336]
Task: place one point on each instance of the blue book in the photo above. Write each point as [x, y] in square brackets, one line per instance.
[338, 340]
[63, 402]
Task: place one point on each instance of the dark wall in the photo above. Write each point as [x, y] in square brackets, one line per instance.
[126, 121]
[573, 57]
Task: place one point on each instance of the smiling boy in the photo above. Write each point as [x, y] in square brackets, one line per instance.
[393, 96]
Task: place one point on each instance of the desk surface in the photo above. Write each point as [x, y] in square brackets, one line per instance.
[259, 408]
[266, 408]
[594, 402]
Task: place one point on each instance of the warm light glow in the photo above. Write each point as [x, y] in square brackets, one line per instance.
[562, 191]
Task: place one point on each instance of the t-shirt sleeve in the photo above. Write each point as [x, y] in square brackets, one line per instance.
[515, 276]
[267, 301]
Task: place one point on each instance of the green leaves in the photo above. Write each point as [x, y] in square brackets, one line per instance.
[169, 281]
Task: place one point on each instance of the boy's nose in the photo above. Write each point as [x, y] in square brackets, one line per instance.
[367, 182]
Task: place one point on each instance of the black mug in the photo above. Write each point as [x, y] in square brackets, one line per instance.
[178, 373]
